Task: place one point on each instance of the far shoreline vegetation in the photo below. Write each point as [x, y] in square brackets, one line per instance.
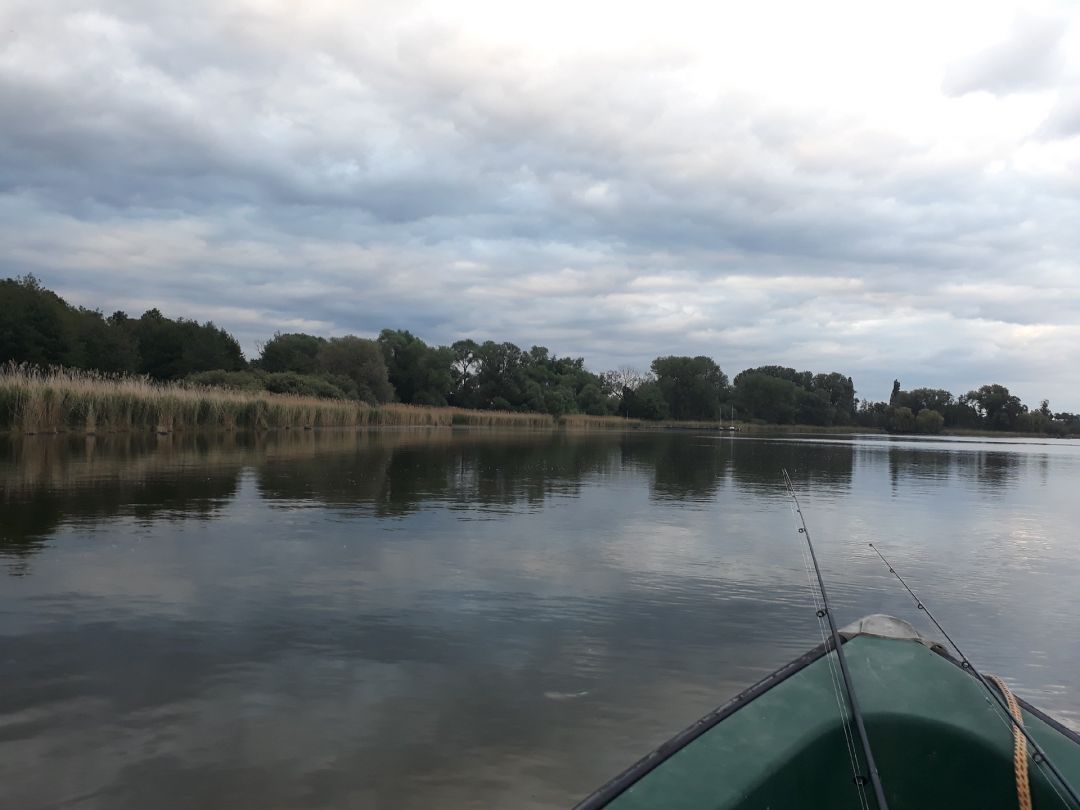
[68, 368]
[51, 401]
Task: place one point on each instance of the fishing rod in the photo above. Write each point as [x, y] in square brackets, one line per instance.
[965, 662]
[871, 765]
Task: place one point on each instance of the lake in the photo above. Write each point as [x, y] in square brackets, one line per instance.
[472, 619]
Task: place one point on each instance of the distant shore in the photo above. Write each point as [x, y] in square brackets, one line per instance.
[77, 402]
[33, 403]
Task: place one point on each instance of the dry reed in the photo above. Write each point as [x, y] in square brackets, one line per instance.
[581, 421]
[61, 400]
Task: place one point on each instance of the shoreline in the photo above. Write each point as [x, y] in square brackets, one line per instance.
[79, 404]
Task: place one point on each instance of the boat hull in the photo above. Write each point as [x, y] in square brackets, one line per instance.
[938, 739]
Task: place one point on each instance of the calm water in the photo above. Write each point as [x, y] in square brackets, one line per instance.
[469, 619]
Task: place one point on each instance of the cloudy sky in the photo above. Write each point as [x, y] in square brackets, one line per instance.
[881, 190]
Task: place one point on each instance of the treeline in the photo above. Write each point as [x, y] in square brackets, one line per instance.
[990, 407]
[38, 327]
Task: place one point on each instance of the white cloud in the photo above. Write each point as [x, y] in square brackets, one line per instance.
[814, 186]
[1029, 58]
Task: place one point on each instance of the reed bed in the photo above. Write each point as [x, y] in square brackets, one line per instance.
[36, 401]
[59, 400]
[581, 421]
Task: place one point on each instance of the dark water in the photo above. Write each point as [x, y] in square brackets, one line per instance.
[469, 619]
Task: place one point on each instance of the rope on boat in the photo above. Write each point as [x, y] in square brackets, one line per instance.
[1020, 764]
[1012, 715]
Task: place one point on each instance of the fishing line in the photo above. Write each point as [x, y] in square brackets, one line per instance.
[835, 679]
[1039, 756]
[1004, 718]
[871, 765]
[846, 717]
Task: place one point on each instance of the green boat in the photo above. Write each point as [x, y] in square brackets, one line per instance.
[939, 739]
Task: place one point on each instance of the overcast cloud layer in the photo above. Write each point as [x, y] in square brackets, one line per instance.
[881, 191]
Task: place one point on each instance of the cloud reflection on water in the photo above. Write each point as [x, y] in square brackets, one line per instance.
[378, 619]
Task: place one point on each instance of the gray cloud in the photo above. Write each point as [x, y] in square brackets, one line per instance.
[1064, 118]
[1028, 59]
[341, 174]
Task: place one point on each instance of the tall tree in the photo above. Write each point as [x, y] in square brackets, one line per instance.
[645, 402]
[933, 399]
[35, 326]
[766, 397]
[464, 365]
[500, 381]
[814, 407]
[420, 374]
[294, 351]
[361, 362]
[103, 345]
[895, 395]
[171, 349]
[693, 387]
[999, 409]
[839, 392]
[803, 379]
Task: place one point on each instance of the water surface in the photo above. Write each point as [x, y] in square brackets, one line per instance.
[474, 619]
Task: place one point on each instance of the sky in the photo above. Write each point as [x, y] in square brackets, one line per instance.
[887, 191]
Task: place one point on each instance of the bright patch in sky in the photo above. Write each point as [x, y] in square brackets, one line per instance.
[888, 191]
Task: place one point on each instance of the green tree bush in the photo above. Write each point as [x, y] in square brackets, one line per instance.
[998, 409]
[766, 397]
[900, 419]
[293, 351]
[929, 421]
[693, 387]
[359, 361]
[646, 402]
[420, 374]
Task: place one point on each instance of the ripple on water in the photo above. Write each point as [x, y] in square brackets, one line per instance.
[469, 619]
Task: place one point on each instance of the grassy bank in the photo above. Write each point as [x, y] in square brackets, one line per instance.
[976, 433]
[74, 401]
[62, 401]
